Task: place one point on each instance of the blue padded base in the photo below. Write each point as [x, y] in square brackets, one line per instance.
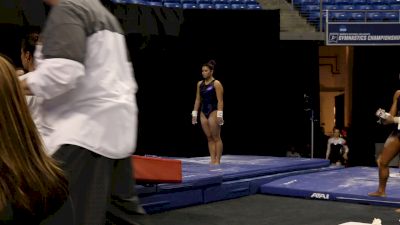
[248, 186]
[227, 190]
[162, 202]
[349, 185]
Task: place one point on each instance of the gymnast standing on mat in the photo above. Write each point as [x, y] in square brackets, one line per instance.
[209, 97]
[392, 145]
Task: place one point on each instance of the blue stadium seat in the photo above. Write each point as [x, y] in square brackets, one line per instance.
[313, 16]
[308, 2]
[238, 6]
[155, 3]
[393, 2]
[222, 6]
[374, 16]
[119, 1]
[188, 1]
[363, 7]
[343, 2]
[236, 2]
[220, 1]
[340, 16]
[327, 2]
[172, 5]
[330, 7]
[380, 7]
[251, 2]
[346, 7]
[172, 1]
[254, 7]
[395, 7]
[204, 2]
[376, 2]
[359, 2]
[309, 8]
[140, 2]
[357, 16]
[391, 16]
[206, 6]
[189, 6]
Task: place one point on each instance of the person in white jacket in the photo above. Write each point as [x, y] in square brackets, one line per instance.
[86, 81]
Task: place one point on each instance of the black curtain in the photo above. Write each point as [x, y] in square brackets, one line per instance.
[375, 79]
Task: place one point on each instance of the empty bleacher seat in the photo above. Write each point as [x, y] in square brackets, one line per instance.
[376, 2]
[357, 16]
[374, 16]
[362, 7]
[251, 2]
[395, 7]
[308, 2]
[253, 7]
[189, 6]
[391, 16]
[359, 2]
[380, 7]
[347, 7]
[330, 7]
[222, 6]
[189, 1]
[313, 17]
[206, 6]
[172, 5]
[220, 1]
[343, 2]
[236, 2]
[326, 2]
[204, 2]
[309, 8]
[393, 2]
[172, 1]
[340, 16]
[154, 3]
[141, 2]
[238, 6]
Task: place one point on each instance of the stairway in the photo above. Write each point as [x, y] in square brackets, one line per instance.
[292, 25]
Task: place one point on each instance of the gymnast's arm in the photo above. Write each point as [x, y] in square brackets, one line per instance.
[393, 110]
[328, 149]
[197, 100]
[346, 150]
[220, 92]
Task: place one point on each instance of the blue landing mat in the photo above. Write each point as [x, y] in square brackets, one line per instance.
[204, 183]
[234, 167]
[349, 185]
[249, 186]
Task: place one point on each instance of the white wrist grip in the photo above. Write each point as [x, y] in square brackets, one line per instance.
[194, 113]
[220, 114]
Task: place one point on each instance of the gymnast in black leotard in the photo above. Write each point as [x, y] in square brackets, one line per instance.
[210, 97]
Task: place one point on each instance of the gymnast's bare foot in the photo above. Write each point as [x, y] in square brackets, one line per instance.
[377, 194]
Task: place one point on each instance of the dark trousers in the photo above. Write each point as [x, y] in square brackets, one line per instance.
[99, 186]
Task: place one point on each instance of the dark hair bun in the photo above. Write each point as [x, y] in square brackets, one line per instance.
[212, 62]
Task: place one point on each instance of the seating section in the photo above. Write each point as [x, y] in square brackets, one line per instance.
[198, 4]
[349, 10]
